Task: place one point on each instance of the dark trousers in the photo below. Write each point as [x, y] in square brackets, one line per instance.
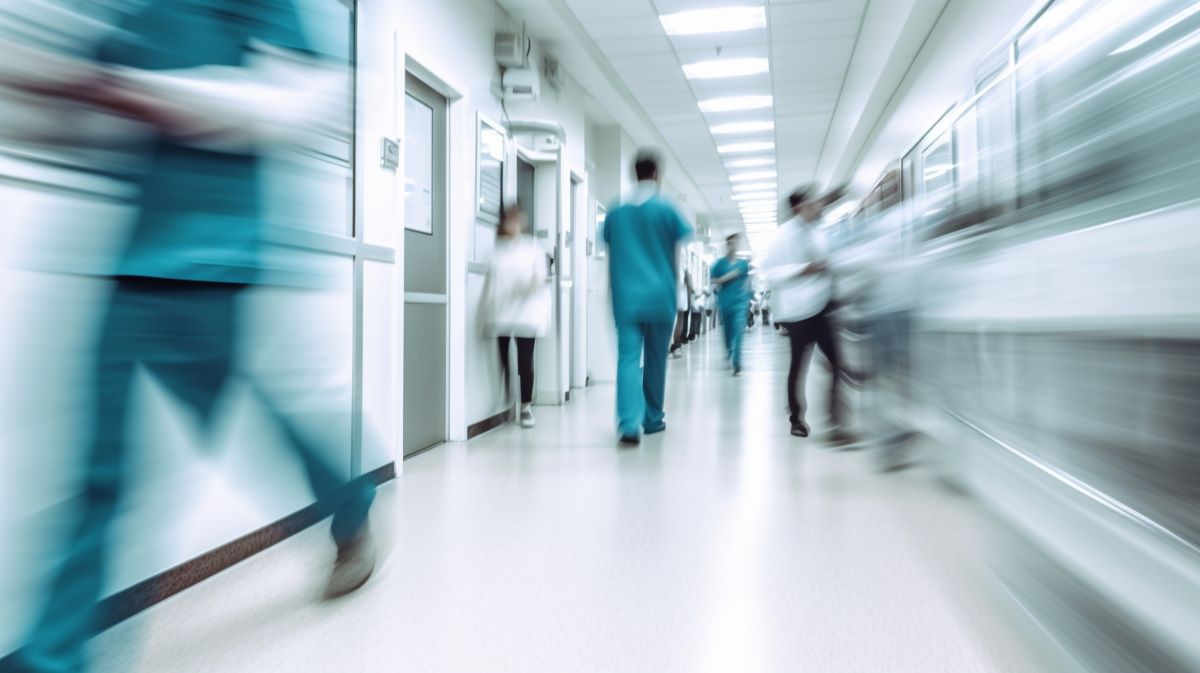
[681, 330]
[524, 366]
[694, 330]
[766, 317]
[818, 330]
[183, 334]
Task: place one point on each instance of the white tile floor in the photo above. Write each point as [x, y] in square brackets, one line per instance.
[722, 545]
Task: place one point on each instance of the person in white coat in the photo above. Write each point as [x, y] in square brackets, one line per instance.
[516, 304]
[797, 269]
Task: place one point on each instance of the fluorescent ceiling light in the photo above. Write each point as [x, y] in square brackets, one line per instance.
[753, 175]
[742, 127]
[741, 148]
[750, 163]
[754, 186]
[715, 20]
[750, 206]
[735, 103]
[726, 67]
[755, 196]
[759, 219]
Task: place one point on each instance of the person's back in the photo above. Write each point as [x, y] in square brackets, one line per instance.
[643, 236]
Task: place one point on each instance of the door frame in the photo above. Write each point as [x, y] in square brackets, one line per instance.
[453, 98]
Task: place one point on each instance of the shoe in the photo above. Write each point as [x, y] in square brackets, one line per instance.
[354, 565]
[630, 440]
[799, 429]
[842, 438]
[737, 371]
[655, 429]
[527, 418]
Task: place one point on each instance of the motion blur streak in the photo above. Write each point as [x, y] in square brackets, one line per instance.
[1046, 251]
[176, 179]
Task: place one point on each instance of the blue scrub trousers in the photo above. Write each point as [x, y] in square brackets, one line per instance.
[733, 319]
[641, 382]
[183, 333]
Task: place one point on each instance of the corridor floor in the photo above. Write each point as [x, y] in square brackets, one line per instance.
[722, 545]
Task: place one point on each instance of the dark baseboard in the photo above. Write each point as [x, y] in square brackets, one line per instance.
[491, 423]
[147, 593]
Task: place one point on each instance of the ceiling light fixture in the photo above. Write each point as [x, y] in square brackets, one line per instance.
[726, 67]
[754, 186]
[756, 196]
[741, 148]
[753, 175]
[715, 20]
[735, 103]
[750, 163]
[742, 127]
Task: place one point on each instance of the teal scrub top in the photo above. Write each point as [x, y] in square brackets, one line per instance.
[199, 214]
[734, 293]
[642, 240]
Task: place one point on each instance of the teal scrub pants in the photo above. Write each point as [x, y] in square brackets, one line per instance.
[641, 381]
[184, 335]
[733, 319]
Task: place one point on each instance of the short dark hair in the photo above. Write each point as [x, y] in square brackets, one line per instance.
[730, 238]
[645, 166]
[507, 211]
[800, 195]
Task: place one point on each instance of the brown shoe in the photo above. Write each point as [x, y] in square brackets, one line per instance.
[354, 565]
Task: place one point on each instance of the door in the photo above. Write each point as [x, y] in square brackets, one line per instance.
[425, 263]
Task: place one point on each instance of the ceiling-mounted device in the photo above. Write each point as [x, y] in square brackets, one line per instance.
[512, 49]
[521, 84]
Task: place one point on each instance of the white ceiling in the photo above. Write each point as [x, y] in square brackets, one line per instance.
[809, 44]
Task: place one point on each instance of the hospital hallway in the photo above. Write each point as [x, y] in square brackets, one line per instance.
[723, 544]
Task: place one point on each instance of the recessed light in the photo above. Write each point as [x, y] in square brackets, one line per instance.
[741, 148]
[754, 186]
[753, 175]
[763, 195]
[715, 20]
[742, 127]
[735, 103]
[750, 163]
[726, 67]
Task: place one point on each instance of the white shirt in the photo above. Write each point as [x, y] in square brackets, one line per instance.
[795, 297]
[515, 297]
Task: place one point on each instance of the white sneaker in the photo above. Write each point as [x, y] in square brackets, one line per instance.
[527, 418]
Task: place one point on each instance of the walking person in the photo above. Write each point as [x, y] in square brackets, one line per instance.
[731, 276]
[797, 269]
[516, 303]
[173, 312]
[643, 236]
[683, 314]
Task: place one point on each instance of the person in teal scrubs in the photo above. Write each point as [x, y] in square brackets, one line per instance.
[642, 236]
[196, 247]
[731, 275]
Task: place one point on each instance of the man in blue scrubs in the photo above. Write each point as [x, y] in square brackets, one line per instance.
[643, 236]
[196, 247]
[731, 275]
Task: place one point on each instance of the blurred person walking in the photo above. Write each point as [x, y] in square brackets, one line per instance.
[643, 237]
[797, 269]
[516, 302]
[683, 313]
[200, 74]
[731, 276]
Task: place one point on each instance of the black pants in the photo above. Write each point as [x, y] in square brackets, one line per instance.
[818, 330]
[694, 328]
[524, 366]
[766, 317]
[681, 330]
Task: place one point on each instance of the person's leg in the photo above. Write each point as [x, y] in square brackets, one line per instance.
[631, 402]
[525, 369]
[505, 372]
[68, 615]
[737, 332]
[654, 382]
[822, 332]
[728, 329]
[681, 320]
[797, 333]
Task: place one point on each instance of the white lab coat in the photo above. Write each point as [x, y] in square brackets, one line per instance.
[516, 299]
